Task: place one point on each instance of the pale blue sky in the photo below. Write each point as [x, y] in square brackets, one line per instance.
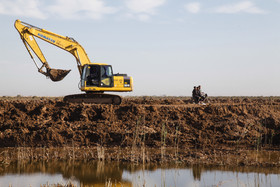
[230, 47]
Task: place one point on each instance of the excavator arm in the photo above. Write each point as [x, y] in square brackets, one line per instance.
[29, 32]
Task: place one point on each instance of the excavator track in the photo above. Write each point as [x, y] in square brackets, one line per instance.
[93, 98]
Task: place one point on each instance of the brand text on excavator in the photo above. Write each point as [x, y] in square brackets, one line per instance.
[47, 38]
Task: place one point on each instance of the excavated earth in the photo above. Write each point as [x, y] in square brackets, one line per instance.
[225, 131]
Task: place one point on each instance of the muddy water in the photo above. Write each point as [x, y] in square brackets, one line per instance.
[98, 173]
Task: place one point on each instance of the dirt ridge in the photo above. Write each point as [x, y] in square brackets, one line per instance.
[249, 123]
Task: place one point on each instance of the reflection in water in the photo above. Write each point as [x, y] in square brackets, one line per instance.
[196, 170]
[87, 173]
[183, 177]
[93, 173]
[33, 180]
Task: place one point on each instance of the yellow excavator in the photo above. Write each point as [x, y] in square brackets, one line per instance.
[96, 78]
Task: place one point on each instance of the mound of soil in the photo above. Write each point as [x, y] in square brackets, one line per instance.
[150, 121]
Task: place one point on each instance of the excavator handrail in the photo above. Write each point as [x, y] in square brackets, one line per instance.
[29, 25]
[49, 32]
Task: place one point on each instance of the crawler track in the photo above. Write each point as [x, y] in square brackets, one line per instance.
[93, 98]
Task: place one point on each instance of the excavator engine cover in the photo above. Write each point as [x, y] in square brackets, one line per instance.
[57, 74]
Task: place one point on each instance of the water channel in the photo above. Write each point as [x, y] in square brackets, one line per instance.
[93, 173]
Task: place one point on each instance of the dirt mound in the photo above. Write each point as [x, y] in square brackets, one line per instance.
[153, 122]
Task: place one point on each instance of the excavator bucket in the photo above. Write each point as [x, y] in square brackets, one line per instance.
[57, 74]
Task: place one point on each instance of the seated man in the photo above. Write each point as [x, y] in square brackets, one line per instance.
[195, 95]
[93, 77]
[202, 96]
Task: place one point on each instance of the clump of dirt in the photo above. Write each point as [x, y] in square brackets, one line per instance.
[247, 123]
[57, 74]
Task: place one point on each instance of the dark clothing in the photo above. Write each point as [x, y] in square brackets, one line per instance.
[198, 95]
[194, 92]
[199, 92]
[195, 95]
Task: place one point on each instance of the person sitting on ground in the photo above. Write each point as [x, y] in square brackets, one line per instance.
[195, 94]
[201, 95]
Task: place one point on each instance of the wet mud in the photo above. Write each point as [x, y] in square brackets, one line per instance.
[225, 131]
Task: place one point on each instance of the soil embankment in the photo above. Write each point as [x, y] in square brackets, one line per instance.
[223, 126]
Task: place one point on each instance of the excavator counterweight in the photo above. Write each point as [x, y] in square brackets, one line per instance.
[96, 78]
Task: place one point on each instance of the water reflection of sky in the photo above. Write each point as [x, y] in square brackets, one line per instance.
[129, 175]
[37, 179]
[184, 177]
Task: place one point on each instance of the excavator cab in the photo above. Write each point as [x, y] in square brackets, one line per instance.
[97, 76]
